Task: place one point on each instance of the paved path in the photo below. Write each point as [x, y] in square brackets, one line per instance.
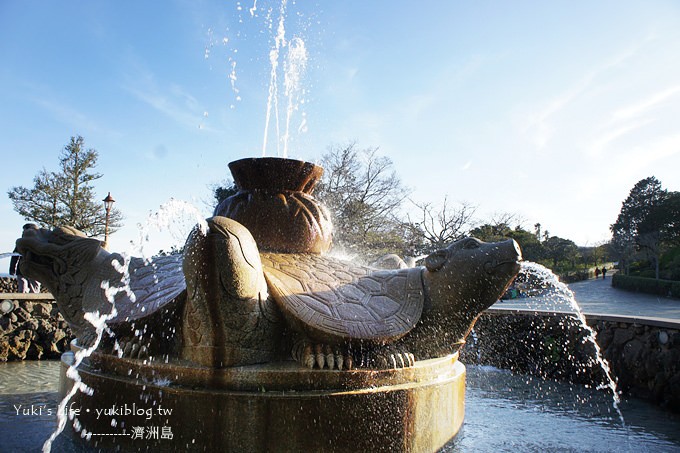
[596, 296]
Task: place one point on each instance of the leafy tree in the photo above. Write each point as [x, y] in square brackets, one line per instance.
[66, 197]
[532, 249]
[622, 246]
[558, 249]
[671, 220]
[537, 229]
[41, 202]
[491, 232]
[223, 191]
[646, 194]
[642, 221]
[364, 195]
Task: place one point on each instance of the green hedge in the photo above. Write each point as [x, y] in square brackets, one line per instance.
[663, 288]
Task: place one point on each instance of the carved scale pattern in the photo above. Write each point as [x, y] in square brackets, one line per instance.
[154, 284]
[336, 301]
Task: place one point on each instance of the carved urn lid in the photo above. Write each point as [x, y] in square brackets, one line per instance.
[275, 174]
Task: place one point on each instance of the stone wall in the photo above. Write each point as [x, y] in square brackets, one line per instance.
[33, 329]
[8, 285]
[644, 354]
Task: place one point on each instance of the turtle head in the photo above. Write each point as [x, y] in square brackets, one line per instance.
[67, 263]
[469, 276]
[54, 256]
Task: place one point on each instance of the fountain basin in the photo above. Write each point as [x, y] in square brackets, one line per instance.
[278, 406]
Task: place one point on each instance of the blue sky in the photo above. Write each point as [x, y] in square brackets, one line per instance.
[548, 110]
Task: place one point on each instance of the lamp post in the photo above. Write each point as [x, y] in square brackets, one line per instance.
[108, 204]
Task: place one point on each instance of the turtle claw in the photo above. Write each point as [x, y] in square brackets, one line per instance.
[87, 339]
[132, 348]
[321, 356]
[339, 360]
[302, 353]
[389, 357]
[119, 347]
[127, 349]
[329, 356]
[143, 352]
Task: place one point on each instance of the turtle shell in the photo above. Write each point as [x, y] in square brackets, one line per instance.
[335, 301]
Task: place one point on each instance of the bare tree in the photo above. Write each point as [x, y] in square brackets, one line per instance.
[364, 195]
[506, 219]
[434, 228]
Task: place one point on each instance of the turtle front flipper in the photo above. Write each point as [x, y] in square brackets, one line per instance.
[228, 319]
[322, 356]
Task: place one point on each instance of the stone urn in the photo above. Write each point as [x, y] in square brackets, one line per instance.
[275, 203]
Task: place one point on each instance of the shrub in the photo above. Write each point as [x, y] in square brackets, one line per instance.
[647, 273]
[675, 289]
[647, 285]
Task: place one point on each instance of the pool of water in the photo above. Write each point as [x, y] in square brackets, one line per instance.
[504, 412]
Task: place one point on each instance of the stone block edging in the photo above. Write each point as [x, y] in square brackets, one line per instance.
[665, 323]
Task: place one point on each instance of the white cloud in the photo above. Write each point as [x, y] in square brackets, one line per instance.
[634, 117]
[601, 143]
[172, 100]
[169, 105]
[659, 149]
[68, 115]
[350, 73]
[541, 126]
[644, 106]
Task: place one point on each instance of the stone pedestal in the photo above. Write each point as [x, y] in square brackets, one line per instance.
[266, 408]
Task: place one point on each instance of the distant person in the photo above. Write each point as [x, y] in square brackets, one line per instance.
[604, 272]
[25, 285]
[597, 272]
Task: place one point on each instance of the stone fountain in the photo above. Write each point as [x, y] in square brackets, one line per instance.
[256, 340]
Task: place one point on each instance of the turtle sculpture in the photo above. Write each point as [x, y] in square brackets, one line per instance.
[225, 303]
[84, 278]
